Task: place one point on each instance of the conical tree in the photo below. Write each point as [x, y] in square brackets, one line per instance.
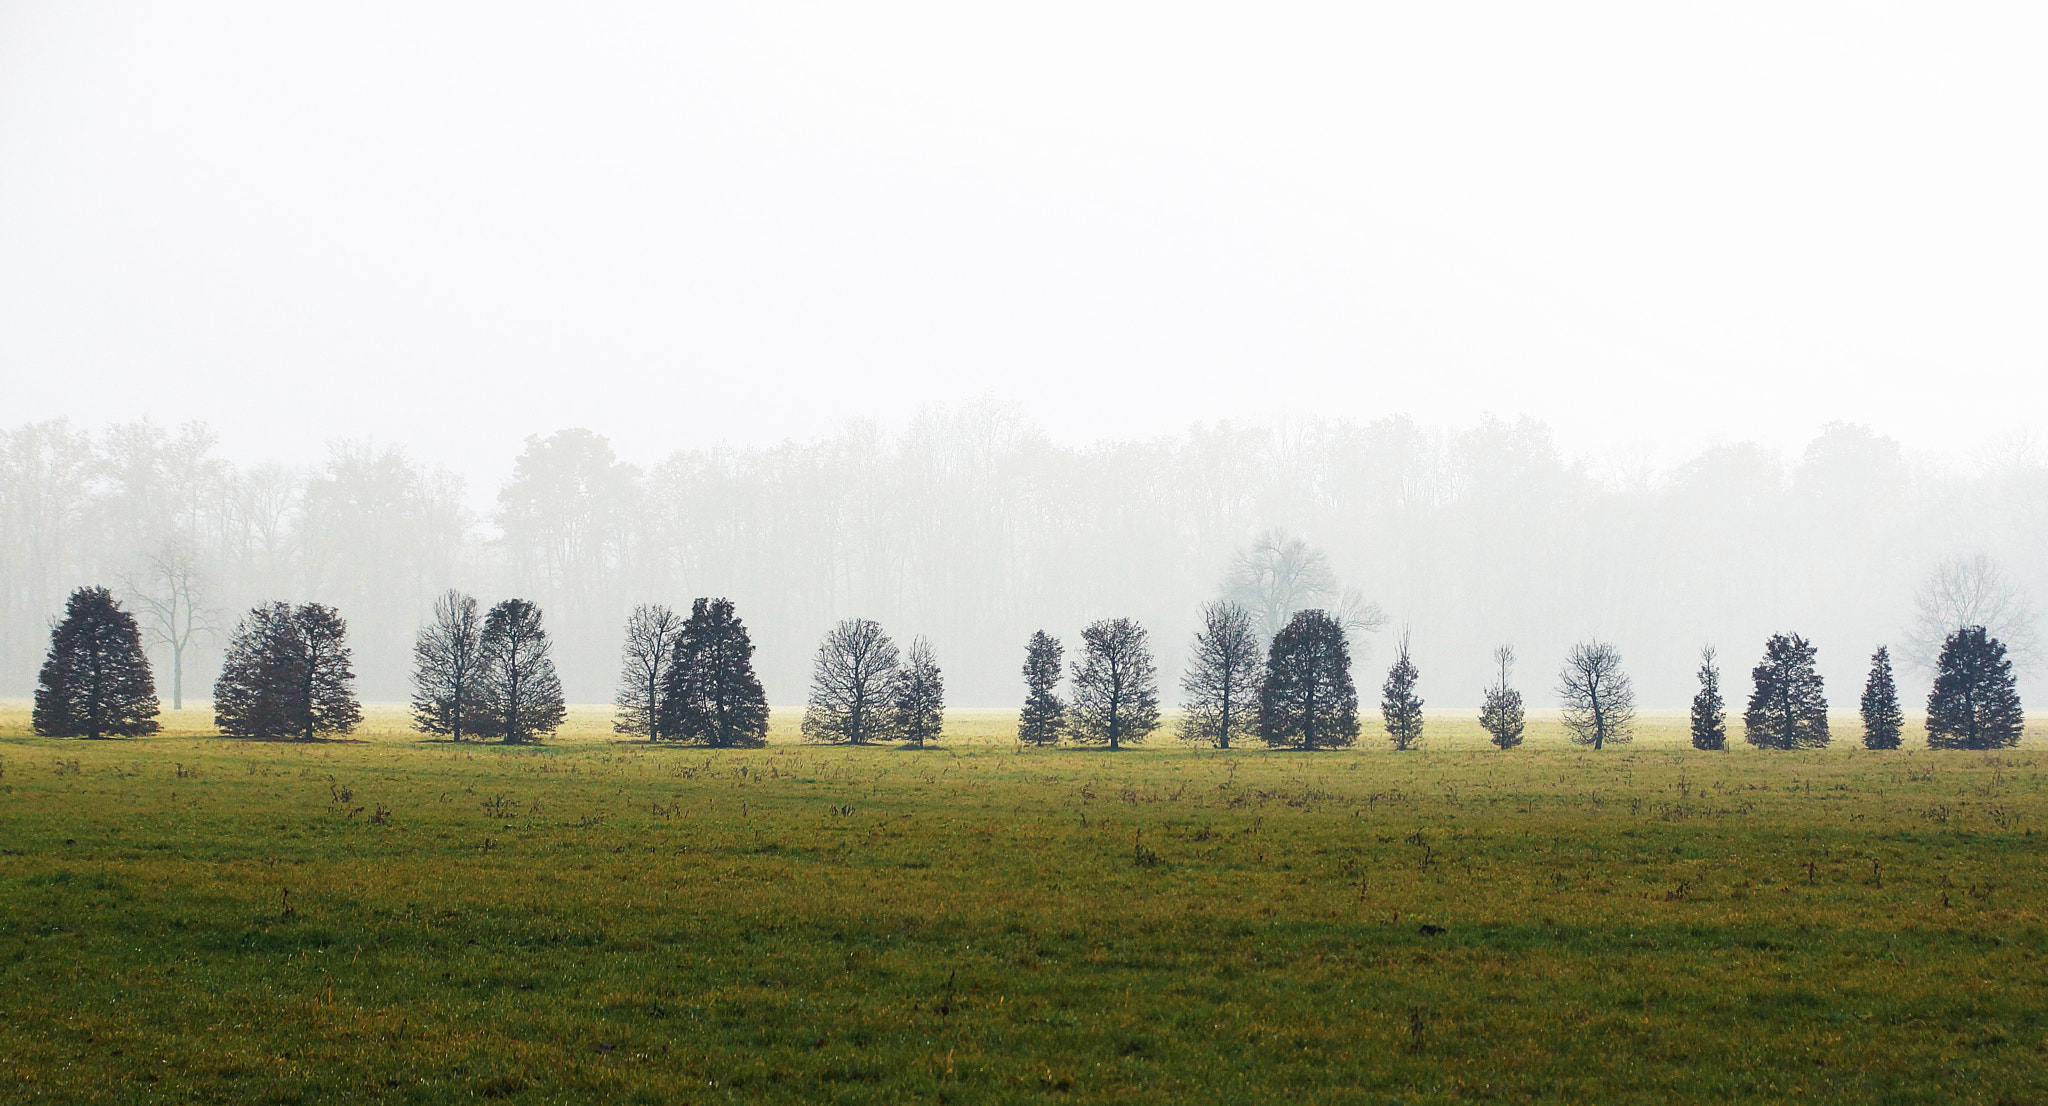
[1308, 700]
[1400, 707]
[96, 681]
[1709, 710]
[1220, 689]
[1044, 720]
[1116, 685]
[287, 674]
[1883, 722]
[1789, 708]
[712, 696]
[1975, 703]
[521, 685]
[1500, 712]
[918, 700]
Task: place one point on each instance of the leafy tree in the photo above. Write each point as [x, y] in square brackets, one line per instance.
[1116, 686]
[450, 670]
[1789, 709]
[287, 674]
[1500, 713]
[1219, 686]
[1044, 720]
[652, 631]
[712, 696]
[1709, 711]
[1975, 703]
[1400, 707]
[1883, 722]
[524, 692]
[1598, 698]
[918, 699]
[1307, 700]
[96, 681]
[851, 684]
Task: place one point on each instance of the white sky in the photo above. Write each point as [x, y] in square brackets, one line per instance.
[453, 225]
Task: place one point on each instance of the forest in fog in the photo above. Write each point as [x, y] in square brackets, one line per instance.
[972, 528]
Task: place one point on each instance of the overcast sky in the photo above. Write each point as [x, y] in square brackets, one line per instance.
[452, 225]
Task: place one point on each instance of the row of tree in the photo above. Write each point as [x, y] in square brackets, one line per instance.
[288, 673]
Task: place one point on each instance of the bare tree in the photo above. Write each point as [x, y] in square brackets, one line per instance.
[1116, 686]
[525, 693]
[1279, 574]
[1500, 712]
[450, 670]
[1599, 701]
[171, 596]
[652, 631]
[850, 685]
[1961, 592]
[1220, 689]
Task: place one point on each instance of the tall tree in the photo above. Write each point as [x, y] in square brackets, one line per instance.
[524, 692]
[918, 699]
[1400, 707]
[96, 680]
[1307, 700]
[1500, 712]
[1709, 710]
[1220, 687]
[1789, 708]
[450, 671]
[851, 681]
[1044, 720]
[1597, 697]
[288, 674]
[1883, 722]
[172, 595]
[652, 631]
[1960, 592]
[1975, 703]
[1116, 686]
[1279, 574]
[712, 696]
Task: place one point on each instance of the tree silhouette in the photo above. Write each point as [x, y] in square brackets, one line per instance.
[1709, 710]
[1789, 708]
[1883, 723]
[449, 670]
[712, 696]
[1975, 703]
[918, 699]
[1116, 687]
[1597, 697]
[96, 681]
[851, 684]
[1308, 700]
[1220, 686]
[652, 631]
[1044, 720]
[1500, 712]
[1400, 707]
[287, 674]
[524, 692]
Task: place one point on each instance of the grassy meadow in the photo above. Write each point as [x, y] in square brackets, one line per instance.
[190, 919]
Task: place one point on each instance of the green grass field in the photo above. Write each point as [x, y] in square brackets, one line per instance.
[186, 918]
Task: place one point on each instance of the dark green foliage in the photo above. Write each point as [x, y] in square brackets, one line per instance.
[712, 695]
[1883, 722]
[1218, 689]
[1500, 712]
[1116, 686]
[96, 681]
[287, 674]
[852, 683]
[1400, 707]
[1044, 720]
[524, 692]
[918, 699]
[1975, 703]
[1307, 700]
[1597, 697]
[449, 670]
[1709, 710]
[1789, 708]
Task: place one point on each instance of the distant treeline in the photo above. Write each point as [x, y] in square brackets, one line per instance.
[975, 529]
